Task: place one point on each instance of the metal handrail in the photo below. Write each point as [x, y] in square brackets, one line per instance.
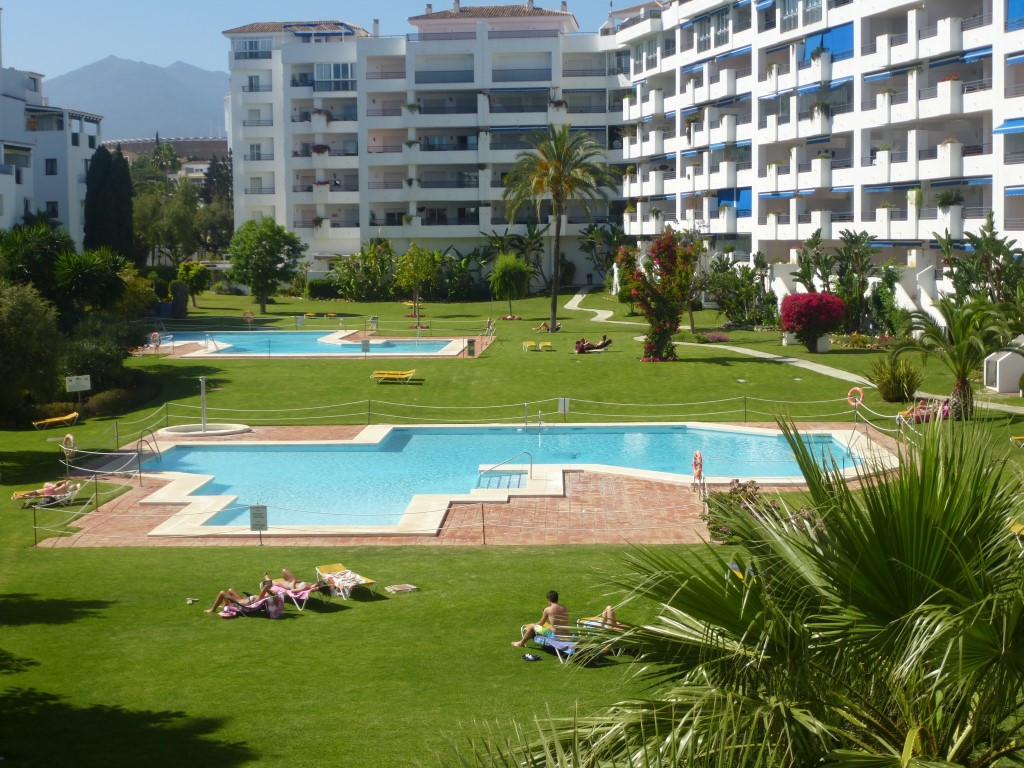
[506, 461]
[155, 446]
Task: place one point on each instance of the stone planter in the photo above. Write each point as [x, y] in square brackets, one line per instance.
[823, 344]
[789, 339]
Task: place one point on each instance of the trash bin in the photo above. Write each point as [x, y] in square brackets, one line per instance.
[470, 347]
[373, 322]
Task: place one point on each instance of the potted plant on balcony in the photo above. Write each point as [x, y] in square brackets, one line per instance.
[952, 77]
[816, 53]
[824, 155]
[770, 70]
[411, 142]
[822, 107]
[320, 149]
[317, 221]
[947, 198]
[412, 106]
[655, 213]
[410, 182]
[915, 197]
[406, 219]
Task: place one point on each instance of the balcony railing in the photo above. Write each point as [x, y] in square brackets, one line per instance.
[256, 88]
[344, 223]
[449, 184]
[928, 93]
[444, 221]
[900, 39]
[424, 37]
[1013, 91]
[973, 22]
[929, 153]
[742, 24]
[302, 82]
[302, 117]
[899, 98]
[506, 34]
[259, 156]
[384, 185]
[981, 84]
[444, 76]
[384, 149]
[842, 215]
[392, 75]
[541, 106]
[842, 162]
[587, 109]
[349, 152]
[334, 85]
[868, 104]
[348, 114]
[240, 55]
[803, 167]
[924, 33]
[1013, 158]
[520, 75]
[450, 109]
[259, 190]
[870, 48]
[976, 212]
[838, 3]
[1013, 223]
[790, 22]
[973, 150]
[928, 214]
[596, 72]
[384, 112]
[812, 15]
[257, 123]
[898, 156]
[302, 187]
[897, 214]
[803, 218]
[446, 146]
[510, 144]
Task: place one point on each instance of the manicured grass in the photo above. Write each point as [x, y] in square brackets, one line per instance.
[103, 664]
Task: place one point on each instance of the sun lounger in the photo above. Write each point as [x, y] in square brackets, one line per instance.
[341, 581]
[400, 376]
[67, 496]
[545, 346]
[529, 346]
[272, 606]
[65, 421]
[1018, 441]
[298, 596]
[563, 647]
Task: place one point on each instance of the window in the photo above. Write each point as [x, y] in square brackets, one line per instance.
[652, 53]
[254, 83]
[790, 14]
[334, 77]
[721, 22]
[812, 11]
[255, 151]
[51, 209]
[51, 166]
[703, 34]
[252, 47]
[75, 140]
[638, 58]
[618, 63]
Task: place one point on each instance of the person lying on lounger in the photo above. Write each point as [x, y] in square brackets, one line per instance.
[544, 327]
[232, 595]
[290, 581]
[554, 620]
[48, 489]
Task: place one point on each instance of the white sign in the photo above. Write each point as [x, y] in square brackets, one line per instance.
[258, 517]
[563, 405]
[366, 346]
[78, 383]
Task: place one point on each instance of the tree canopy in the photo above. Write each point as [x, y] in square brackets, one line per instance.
[264, 255]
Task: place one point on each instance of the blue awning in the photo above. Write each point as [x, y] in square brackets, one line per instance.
[521, 90]
[809, 88]
[774, 195]
[777, 48]
[686, 24]
[895, 243]
[878, 76]
[730, 54]
[764, 5]
[669, 156]
[717, 146]
[820, 140]
[744, 143]
[670, 114]
[891, 188]
[696, 67]
[518, 128]
[649, 118]
[691, 153]
[1016, 58]
[1014, 191]
[806, 192]
[691, 110]
[1016, 125]
[977, 54]
[842, 190]
[840, 81]
[742, 3]
[944, 62]
[878, 189]
[566, 91]
[980, 182]
[769, 96]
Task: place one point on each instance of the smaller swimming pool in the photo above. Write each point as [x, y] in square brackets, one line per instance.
[310, 344]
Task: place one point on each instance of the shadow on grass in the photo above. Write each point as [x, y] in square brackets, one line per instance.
[12, 665]
[40, 729]
[35, 467]
[367, 596]
[21, 609]
[322, 606]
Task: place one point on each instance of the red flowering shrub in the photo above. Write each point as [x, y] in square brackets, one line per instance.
[810, 315]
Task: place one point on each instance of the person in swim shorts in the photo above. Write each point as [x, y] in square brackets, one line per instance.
[554, 619]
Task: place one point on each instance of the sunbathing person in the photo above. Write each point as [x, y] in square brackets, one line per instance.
[232, 595]
[290, 581]
[602, 344]
[553, 620]
[49, 489]
[608, 620]
[581, 347]
[544, 327]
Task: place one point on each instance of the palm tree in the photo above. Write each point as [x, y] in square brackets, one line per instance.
[564, 165]
[968, 334]
[884, 629]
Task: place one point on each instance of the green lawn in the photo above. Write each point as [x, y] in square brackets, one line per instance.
[103, 663]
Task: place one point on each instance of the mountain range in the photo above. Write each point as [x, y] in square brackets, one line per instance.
[137, 100]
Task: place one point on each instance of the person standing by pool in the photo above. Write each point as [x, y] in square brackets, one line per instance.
[553, 620]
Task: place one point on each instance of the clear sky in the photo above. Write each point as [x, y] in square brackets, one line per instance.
[56, 36]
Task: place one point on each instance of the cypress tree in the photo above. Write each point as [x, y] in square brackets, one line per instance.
[122, 234]
[97, 203]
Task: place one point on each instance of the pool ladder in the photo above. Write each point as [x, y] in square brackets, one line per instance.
[482, 472]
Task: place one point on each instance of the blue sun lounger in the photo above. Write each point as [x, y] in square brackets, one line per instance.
[562, 648]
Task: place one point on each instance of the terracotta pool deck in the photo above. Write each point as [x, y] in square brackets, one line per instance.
[596, 508]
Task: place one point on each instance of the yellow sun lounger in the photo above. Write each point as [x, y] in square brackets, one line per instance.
[545, 346]
[65, 421]
[401, 376]
[529, 346]
[1018, 440]
[341, 580]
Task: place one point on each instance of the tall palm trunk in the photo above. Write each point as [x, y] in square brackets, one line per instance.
[555, 264]
[961, 401]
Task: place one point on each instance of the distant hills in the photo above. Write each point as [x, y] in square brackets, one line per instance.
[137, 100]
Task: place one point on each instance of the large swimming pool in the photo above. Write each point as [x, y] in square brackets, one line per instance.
[307, 343]
[371, 484]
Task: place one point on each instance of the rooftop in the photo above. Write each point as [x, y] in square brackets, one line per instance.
[299, 27]
[490, 12]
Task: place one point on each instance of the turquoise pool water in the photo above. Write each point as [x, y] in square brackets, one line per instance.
[270, 343]
[371, 485]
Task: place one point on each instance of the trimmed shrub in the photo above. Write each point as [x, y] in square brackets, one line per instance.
[895, 379]
[53, 410]
[322, 289]
[811, 315]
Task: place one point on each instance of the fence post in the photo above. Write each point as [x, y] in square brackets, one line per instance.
[117, 438]
[367, 411]
[744, 409]
[167, 418]
[526, 414]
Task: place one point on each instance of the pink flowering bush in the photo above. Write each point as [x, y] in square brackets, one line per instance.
[810, 315]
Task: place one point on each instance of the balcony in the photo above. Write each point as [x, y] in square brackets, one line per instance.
[520, 75]
[258, 123]
[392, 75]
[430, 77]
[256, 88]
[259, 190]
[256, 156]
[384, 112]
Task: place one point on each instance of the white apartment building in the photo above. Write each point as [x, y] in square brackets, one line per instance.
[344, 135]
[756, 122]
[44, 154]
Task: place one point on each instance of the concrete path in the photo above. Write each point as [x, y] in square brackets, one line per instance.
[603, 315]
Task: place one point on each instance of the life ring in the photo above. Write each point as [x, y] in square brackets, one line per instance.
[69, 446]
[248, 316]
[855, 397]
[154, 339]
[698, 465]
